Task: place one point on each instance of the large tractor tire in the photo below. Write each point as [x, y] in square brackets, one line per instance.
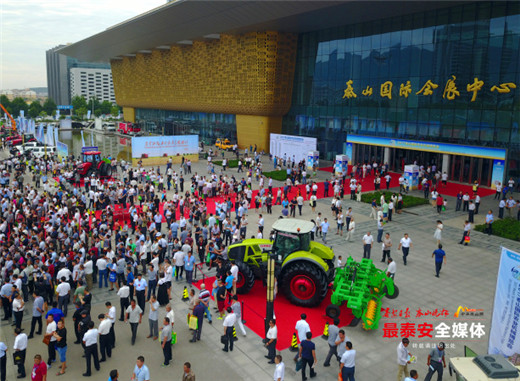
[245, 279]
[332, 311]
[105, 169]
[394, 295]
[304, 284]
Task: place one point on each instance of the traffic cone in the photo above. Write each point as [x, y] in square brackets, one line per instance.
[185, 295]
[235, 338]
[294, 343]
[326, 331]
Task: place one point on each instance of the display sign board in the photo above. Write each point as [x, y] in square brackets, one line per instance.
[157, 146]
[506, 309]
[65, 107]
[89, 149]
[289, 145]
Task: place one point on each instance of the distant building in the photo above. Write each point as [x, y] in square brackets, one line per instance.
[59, 68]
[90, 83]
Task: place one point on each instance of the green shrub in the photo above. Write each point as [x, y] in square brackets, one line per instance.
[408, 201]
[507, 228]
[233, 163]
[276, 175]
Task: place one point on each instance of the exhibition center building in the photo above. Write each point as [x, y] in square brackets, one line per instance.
[393, 81]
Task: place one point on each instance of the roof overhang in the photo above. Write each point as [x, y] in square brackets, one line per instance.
[187, 20]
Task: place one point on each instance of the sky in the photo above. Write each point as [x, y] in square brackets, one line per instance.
[30, 27]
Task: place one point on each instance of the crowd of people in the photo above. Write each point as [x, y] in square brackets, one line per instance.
[60, 243]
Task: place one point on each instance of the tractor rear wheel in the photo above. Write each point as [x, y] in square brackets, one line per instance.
[304, 284]
[245, 279]
[394, 295]
[332, 311]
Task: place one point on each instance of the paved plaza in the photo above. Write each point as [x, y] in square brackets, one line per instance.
[468, 279]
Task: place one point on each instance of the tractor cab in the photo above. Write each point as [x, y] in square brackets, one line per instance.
[290, 236]
[91, 157]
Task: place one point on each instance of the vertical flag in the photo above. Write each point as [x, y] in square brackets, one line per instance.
[57, 114]
[92, 139]
[82, 139]
[56, 136]
[89, 112]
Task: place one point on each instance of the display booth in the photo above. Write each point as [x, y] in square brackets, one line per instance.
[313, 159]
[411, 173]
[341, 166]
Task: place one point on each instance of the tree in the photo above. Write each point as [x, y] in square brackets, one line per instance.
[105, 107]
[81, 111]
[43, 114]
[77, 103]
[97, 112]
[5, 102]
[115, 111]
[17, 105]
[35, 109]
[49, 106]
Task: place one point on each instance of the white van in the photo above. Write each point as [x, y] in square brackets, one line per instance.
[40, 151]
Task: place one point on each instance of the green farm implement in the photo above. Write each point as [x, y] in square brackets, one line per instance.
[362, 287]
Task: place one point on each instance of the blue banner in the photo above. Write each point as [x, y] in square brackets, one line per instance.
[497, 175]
[506, 309]
[62, 150]
[348, 152]
[451, 149]
[158, 146]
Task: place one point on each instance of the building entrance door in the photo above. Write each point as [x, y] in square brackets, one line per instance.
[467, 169]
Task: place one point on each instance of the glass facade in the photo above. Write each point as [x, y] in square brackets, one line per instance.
[208, 126]
[374, 79]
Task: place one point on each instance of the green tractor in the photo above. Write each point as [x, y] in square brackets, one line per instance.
[362, 287]
[304, 268]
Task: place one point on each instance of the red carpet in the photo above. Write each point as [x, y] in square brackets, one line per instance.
[452, 189]
[286, 314]
[327, 169]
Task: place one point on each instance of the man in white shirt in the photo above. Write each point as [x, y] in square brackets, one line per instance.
[347, 365]
[89, 270]
[402, 358]
[20, 349]
[63, 292]
[101, 264]
[229, 323]
[51, 348]
[390, 271]
[90, 339]
[406, 245]
[124, 302]
[111, 315]
[302, 327]
[368, 241]
[279, 371]
[105, 347]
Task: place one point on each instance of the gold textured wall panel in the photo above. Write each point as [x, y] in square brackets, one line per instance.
[250, 74]
[129, 114]
[253, 130]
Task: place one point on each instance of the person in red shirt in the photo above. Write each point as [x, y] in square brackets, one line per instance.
[440, 203]
[39, 371]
